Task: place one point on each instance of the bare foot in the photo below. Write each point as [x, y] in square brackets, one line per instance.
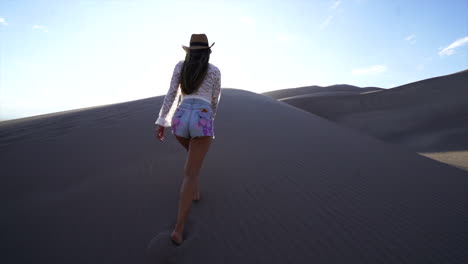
[176, 237]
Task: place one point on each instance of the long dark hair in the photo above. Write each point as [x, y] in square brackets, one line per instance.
[194, 69]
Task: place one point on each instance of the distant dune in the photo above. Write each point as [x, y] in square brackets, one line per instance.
[429, 116]
[319, 90]
[279, 185]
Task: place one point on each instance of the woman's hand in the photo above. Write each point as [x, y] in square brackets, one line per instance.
[160, 130]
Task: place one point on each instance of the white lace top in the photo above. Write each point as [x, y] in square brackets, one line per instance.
[209, 90]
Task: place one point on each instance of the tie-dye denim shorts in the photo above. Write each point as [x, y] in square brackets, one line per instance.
[193, 118]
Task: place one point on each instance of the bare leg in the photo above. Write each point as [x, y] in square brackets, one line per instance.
[196, 154]
[185, 142]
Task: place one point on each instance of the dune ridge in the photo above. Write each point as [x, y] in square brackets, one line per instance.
[311, 90]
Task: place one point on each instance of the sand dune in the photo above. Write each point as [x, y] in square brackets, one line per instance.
[429, 116]
[319, 90]
[280, 185]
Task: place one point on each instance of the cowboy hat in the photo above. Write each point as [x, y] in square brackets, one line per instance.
[198, 41]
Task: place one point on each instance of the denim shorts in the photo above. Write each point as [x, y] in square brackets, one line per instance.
[193, 118]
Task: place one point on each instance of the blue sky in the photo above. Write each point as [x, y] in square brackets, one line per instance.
[62, 55]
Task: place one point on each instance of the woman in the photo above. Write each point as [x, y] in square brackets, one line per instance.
[193, 120]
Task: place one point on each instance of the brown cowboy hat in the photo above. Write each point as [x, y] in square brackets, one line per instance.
[198, 41]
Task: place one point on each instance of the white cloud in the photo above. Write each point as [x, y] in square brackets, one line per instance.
[370, 70]
[336, 10]
[335, 4]
[3, 22]
[41, 28]
[450, 49]
[326, 22]
[411, 38]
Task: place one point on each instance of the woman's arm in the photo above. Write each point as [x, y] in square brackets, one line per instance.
[173, 94]
[216, 94]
